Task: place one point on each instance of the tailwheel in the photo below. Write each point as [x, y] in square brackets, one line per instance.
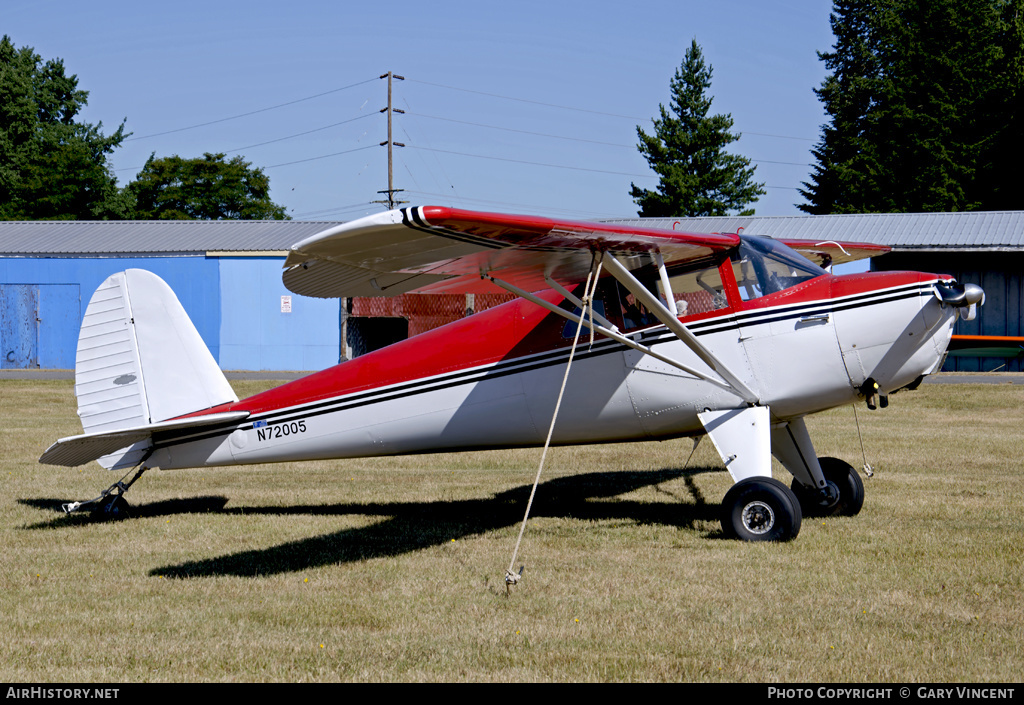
[111, 504]
[843, 496]
[111, 508]
[761, 509]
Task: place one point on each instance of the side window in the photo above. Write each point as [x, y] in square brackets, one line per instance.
[697, 289]
[569, 329]
[746, 279]
[764, 267]
[631, 311]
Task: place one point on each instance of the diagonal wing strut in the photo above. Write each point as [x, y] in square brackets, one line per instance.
[728, 380]
[661, 312]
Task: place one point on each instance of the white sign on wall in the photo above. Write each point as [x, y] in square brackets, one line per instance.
[286, 304]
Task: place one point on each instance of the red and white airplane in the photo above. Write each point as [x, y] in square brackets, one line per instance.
[731, 336]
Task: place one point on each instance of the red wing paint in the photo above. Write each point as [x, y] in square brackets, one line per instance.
[435, 249]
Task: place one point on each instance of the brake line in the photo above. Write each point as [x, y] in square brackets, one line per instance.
[868, 470]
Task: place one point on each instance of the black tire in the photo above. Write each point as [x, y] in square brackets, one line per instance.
[847, 483]
[113, 508]
[761, 509]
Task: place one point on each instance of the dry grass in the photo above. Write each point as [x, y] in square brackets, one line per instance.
[392, 569]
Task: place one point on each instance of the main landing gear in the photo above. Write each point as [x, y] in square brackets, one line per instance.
[761, 509]
[764, 509]
[843, 496]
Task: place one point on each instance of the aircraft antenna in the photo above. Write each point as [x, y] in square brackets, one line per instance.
[391, 144]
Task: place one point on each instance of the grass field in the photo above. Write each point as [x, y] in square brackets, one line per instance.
[392, 569]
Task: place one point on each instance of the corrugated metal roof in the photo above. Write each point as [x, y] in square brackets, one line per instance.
[977, 230]
[989, 230]
[78, 237]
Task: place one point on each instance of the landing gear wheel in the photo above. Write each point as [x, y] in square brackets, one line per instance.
[112, 508]
[846, 491]
[760, 509]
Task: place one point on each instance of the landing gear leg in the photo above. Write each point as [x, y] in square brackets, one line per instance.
[111, 504]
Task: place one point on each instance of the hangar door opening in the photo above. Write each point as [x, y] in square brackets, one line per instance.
[39, 325]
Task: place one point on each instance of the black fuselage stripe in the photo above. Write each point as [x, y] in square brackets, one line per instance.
[650, 338]
[176, 438]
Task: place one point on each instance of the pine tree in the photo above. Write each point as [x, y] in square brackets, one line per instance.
[853, 85]
[920, 99]
[687, 150]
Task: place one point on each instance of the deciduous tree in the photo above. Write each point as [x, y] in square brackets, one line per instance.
[52, 166]
[207, 188]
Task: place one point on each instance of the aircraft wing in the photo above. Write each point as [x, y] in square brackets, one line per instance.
[436, 249]
[831, 252]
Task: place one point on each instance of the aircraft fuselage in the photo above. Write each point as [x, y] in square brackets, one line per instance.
[491, 380]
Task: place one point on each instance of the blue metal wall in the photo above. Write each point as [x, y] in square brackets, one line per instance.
[234, 302]
[257, 334]
[66, 285]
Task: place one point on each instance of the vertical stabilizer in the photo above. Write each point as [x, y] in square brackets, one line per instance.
[140, 360]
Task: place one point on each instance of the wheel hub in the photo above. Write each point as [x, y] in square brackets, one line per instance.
[828, 497]
[758, 517]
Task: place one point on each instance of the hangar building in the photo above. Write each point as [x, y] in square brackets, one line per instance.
[984, 248]
[227, 275]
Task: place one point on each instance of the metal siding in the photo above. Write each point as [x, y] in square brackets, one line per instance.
[60, 311]
[134, 237]
[256, 335]
[996, 229]
[195, 280]
[19, 337]
[993, 230]
[999, 274]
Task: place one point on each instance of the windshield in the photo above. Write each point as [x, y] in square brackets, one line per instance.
[764, 266]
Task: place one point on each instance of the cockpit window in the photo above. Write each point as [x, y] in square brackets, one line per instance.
[763, 267]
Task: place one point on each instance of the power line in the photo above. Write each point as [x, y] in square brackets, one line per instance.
[251, 112]
[583, 110]
[527, 100]
[322, 156]
[580, 139]
[562, 166]
[523, 132]
[524, 161]
[299, 134]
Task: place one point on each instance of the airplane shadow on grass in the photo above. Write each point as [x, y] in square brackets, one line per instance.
[411, 526]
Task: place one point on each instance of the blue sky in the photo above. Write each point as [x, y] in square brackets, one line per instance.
[528, 107]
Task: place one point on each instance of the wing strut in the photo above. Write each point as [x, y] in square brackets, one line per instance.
[579, 304]
[608, 332]
[663, 314]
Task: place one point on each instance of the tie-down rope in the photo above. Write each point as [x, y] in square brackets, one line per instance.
[588, 310]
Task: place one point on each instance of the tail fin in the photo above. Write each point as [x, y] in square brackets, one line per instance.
[140, 361]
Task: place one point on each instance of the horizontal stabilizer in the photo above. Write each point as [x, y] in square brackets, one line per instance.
[78, 450]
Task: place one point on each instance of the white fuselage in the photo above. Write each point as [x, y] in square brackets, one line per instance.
[799, 358]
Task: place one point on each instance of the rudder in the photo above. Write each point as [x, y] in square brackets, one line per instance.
[140, 360]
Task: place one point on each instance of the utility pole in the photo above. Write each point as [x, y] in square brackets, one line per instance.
[391, 190]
